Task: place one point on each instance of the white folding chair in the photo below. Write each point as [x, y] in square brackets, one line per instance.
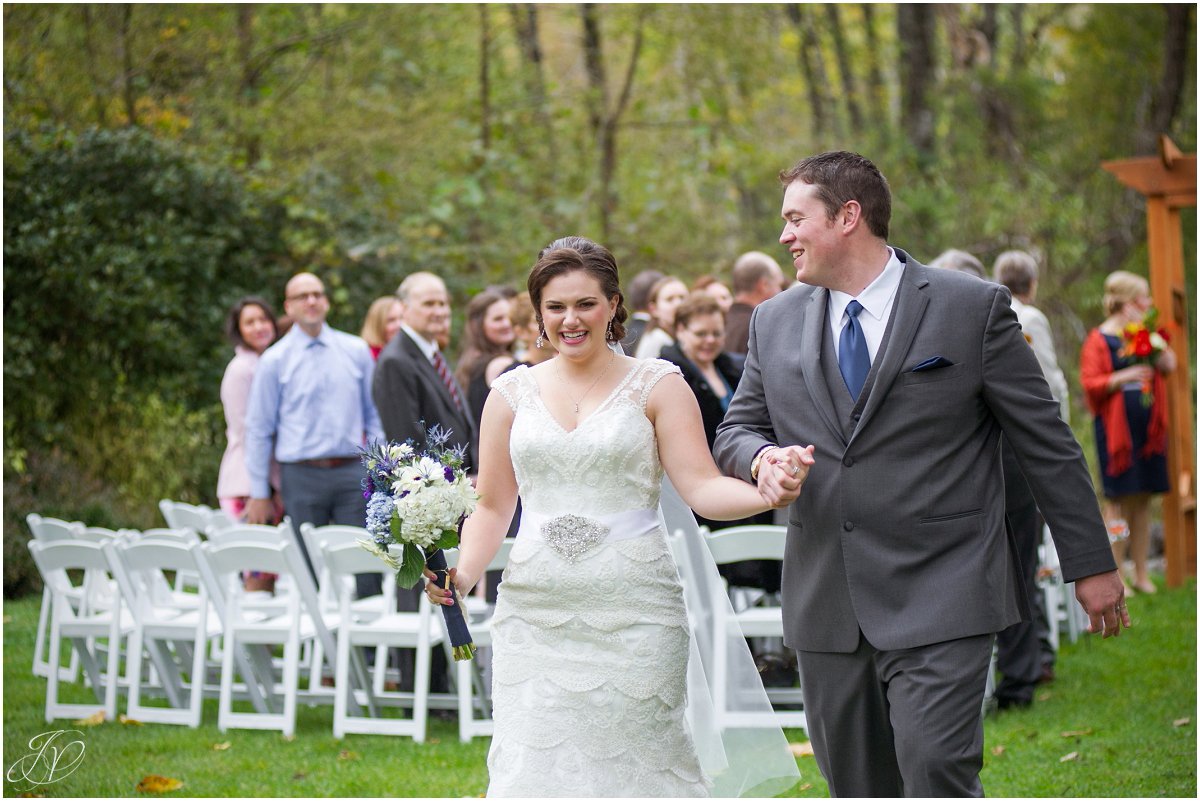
[391, 629]
[186, 515]
[51, 529]
[247, 623]
[80, 624]
[734, 545]
[316, 539]
[158, 621]
[473, 691]
[1063, 611]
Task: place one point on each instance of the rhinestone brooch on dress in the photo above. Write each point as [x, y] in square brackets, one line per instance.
[571, 536]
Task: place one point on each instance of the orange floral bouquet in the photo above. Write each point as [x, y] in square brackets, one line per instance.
[1144, 343]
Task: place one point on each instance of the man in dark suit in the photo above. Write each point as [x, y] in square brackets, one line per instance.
[414, 390]
[899, 570]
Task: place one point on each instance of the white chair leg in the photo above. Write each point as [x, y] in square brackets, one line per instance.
[114, 664]
[341, 685]
[291, 680]
[225, 702]
[55, 656]
[466, 714]
[420, 710]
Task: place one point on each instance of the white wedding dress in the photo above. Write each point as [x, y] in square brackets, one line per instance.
[590, 633]
[590, 640]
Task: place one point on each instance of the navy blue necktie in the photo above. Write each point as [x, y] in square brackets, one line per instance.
[854, 360]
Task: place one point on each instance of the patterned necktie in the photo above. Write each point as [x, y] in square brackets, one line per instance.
[439, 364]
[854, 360]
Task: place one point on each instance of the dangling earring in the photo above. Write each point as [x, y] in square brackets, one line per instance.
[540, 342]
[609, 336]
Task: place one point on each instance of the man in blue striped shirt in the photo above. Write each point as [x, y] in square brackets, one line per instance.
[311, 405]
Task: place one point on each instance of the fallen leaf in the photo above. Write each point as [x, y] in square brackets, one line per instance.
[222, 746]
[289, 738]
[1181, 722]
[801, 749]
[7, 620]
[1046, 696]
[998, 750]
[158, 784]
[91, 720]
[1071, 757]
[298, 776]
[805, 786]
[1077, 733]
[128, 721]
[347, 756]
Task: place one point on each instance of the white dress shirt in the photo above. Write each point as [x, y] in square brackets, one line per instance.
[877, 301]
[427, 347]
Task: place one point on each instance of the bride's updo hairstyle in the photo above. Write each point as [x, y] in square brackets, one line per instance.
[576, 253]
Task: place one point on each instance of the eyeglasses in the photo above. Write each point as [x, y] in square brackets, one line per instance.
[306, 296]
[705, 334]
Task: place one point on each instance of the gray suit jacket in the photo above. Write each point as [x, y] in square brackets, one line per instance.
[411, 398]
[899, 530]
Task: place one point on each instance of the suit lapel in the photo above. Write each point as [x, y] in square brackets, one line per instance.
[811, 336]
[434, 380]
[910, 305]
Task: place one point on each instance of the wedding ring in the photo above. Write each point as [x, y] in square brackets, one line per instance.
[795, 470]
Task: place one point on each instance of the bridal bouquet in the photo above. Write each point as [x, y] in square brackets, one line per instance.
[416, 500]
[1144, 342]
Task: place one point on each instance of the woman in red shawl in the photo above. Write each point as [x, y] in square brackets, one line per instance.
[1127, 397]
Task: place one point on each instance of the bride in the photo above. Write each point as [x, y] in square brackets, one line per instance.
[590, 633]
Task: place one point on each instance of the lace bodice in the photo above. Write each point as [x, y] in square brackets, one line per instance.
[608, 464]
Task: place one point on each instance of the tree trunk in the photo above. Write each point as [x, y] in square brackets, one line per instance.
[1168, 95]
[606, 121]
[811, 65]
[128, 92]
[878, 89]
[485, 94]
[251, 142]
[914, 28]
[525, 22]
[849, 88]
[89, 47]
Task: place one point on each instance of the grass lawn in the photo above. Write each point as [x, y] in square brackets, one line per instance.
[1118, 703]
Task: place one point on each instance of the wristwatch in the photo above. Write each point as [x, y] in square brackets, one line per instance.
[757, 460]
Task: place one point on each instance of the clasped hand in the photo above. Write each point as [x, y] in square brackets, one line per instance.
[782, 472]
[439, 595]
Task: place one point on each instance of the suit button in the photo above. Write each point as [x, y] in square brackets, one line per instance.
[855, 417]
[848, 526]
[848, 461]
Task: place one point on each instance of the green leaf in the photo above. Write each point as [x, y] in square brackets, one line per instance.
[449, 539]
[396, 527]
[410, 568]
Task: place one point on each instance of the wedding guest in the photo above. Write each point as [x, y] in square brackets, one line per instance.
[713, 375]
[1127, 397]
[250, 326]
[381, 324]
[639, 302]
[756, 277]
[488, 339]
[1018, 647]
[711, 285]
[535, 347]
[1018, 271]
[665, 295]
[310, 407]
[960, 261]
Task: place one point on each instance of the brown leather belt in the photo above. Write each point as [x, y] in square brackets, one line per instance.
[332, 461]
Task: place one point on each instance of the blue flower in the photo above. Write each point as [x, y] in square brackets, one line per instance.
[379, 515]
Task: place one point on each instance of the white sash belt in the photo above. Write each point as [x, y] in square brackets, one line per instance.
[573, 535]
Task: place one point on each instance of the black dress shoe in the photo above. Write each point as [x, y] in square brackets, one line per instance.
[1013, 703]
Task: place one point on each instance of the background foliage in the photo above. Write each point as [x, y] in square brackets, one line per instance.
[162, 160]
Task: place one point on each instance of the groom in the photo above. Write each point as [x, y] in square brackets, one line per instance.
[899, 571]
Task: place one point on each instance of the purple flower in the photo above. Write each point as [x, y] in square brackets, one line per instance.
[449, 474]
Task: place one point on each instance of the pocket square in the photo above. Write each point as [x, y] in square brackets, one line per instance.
[932, 363]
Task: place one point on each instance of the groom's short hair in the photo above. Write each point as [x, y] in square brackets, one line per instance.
[841, 176]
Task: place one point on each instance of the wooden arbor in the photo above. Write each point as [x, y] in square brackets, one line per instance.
[1168, 182]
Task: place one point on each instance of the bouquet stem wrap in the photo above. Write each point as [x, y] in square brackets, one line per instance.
[455, 617]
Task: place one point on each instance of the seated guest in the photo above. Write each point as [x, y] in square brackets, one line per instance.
[713, 375]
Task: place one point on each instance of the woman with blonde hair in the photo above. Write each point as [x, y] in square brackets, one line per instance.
[1127, 398]
[382, 322]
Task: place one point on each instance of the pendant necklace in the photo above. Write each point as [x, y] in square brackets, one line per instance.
[558, 372]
